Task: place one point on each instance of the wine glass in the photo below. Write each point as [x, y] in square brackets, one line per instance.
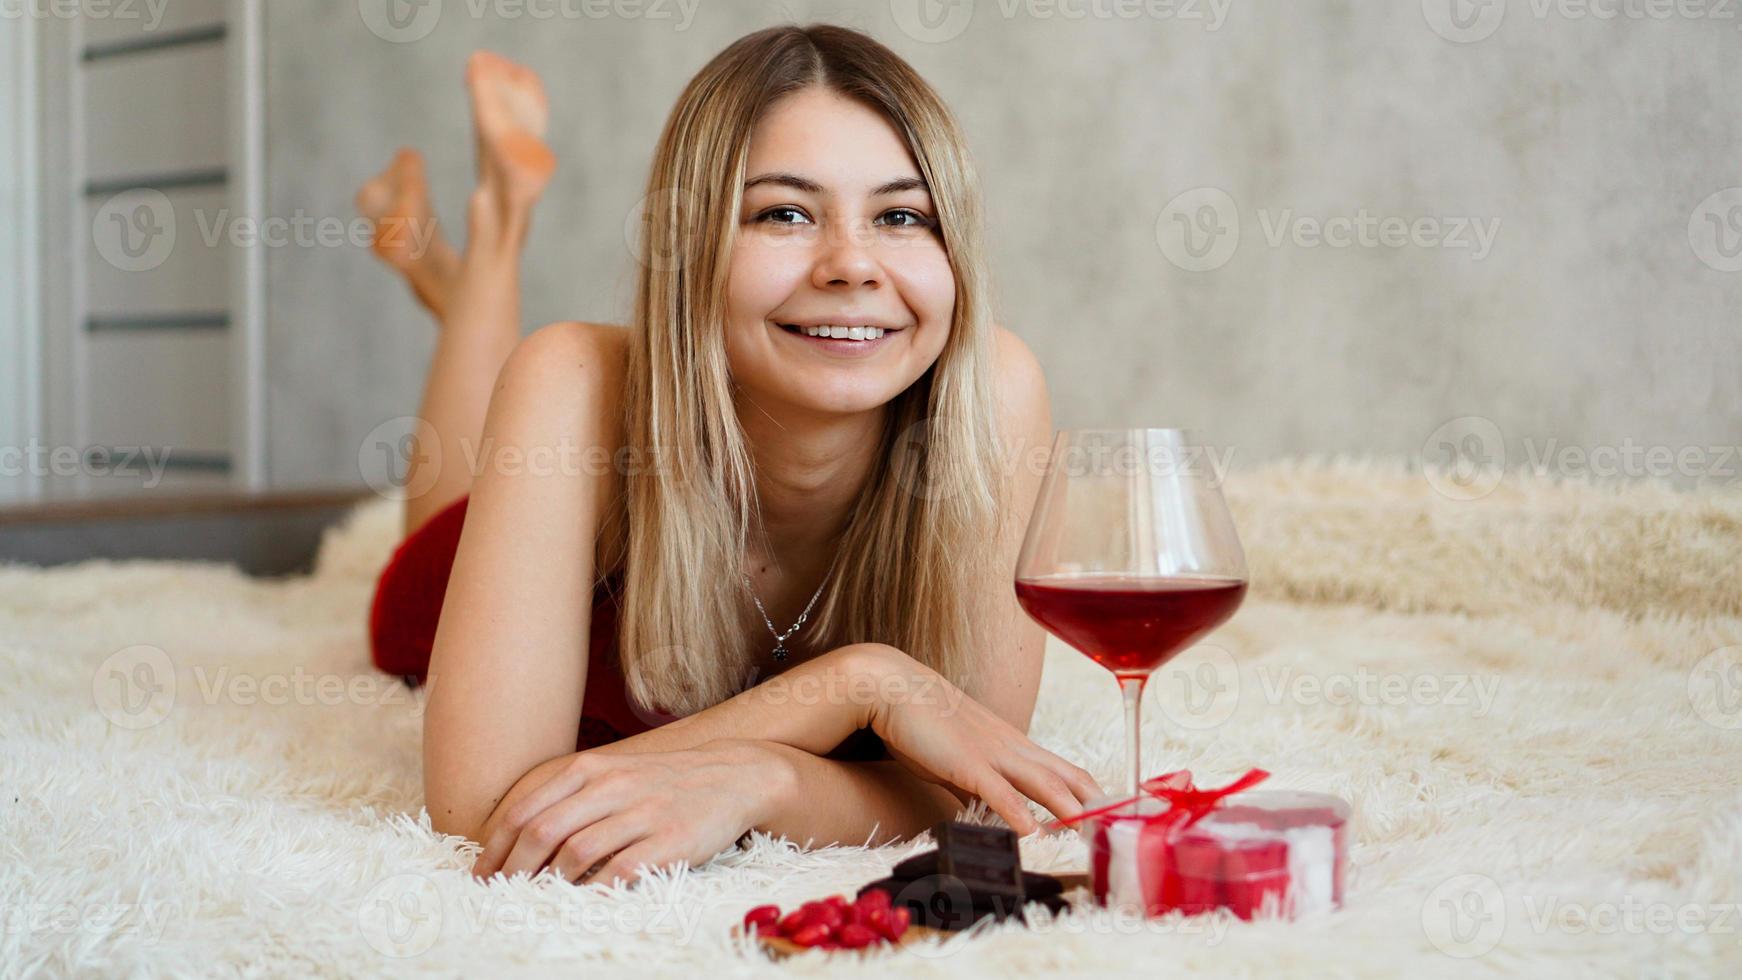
[1130, 554]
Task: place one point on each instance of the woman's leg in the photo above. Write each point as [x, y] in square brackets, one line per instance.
[475, 296]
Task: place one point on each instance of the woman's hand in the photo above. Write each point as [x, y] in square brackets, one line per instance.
[946, 737]
[626, 810]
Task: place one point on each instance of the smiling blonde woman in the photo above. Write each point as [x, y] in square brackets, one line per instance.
[786, 603]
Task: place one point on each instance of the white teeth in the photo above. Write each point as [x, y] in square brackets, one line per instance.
[834, 332]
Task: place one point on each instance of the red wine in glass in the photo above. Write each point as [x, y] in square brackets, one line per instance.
[1127, 624]
[1130, 554]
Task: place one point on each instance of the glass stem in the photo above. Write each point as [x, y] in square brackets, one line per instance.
[1132, 688]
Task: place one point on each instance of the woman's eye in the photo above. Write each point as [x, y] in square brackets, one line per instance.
[783, 216]
[905, 218]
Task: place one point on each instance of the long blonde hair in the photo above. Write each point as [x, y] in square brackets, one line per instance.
[920, 543]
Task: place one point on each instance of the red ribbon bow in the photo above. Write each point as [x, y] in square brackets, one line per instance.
[1187, 803]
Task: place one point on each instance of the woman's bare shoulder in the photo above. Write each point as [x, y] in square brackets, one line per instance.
[1022, 394]
[561, 351]
[563, 385]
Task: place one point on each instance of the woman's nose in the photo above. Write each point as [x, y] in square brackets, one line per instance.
[848, 257]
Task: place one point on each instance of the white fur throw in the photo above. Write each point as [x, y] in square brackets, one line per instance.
[1533, 700]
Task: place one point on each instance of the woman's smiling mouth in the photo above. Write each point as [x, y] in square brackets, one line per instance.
[841, 339]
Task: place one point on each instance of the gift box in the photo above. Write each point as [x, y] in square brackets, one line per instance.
[1179, 848]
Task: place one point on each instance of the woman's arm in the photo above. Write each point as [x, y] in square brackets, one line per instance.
[1014, 645]
[659, 784]
[508, 667]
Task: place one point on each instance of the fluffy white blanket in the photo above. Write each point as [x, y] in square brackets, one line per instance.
[1533, 700]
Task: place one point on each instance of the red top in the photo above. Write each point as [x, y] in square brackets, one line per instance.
[408, 604]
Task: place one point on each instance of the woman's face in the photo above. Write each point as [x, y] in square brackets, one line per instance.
[837, 230]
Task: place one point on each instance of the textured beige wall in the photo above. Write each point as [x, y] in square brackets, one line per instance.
[1303, 227]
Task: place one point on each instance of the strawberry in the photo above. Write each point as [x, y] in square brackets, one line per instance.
[793, 921]
[857, 937]
[763, 918]
[811, 935]
[899, 917]
[829, 915]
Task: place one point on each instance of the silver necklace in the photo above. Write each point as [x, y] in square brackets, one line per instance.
[780, 651]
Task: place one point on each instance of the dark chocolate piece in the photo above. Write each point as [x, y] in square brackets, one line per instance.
[947, 904]
[987, 858]
[925, 864]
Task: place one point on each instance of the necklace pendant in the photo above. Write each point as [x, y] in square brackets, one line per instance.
[780, 653]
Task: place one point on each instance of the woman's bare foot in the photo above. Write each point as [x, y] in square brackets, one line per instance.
[510, 112]
[407, 236]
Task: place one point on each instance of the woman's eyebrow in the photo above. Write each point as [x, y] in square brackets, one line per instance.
[805, 184]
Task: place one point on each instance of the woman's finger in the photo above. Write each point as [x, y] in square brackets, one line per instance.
[595, 843]
[1006, 801]
[1041, 784]
[1081, 782]
[625, 866]
[502, 838]
[545, 833]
